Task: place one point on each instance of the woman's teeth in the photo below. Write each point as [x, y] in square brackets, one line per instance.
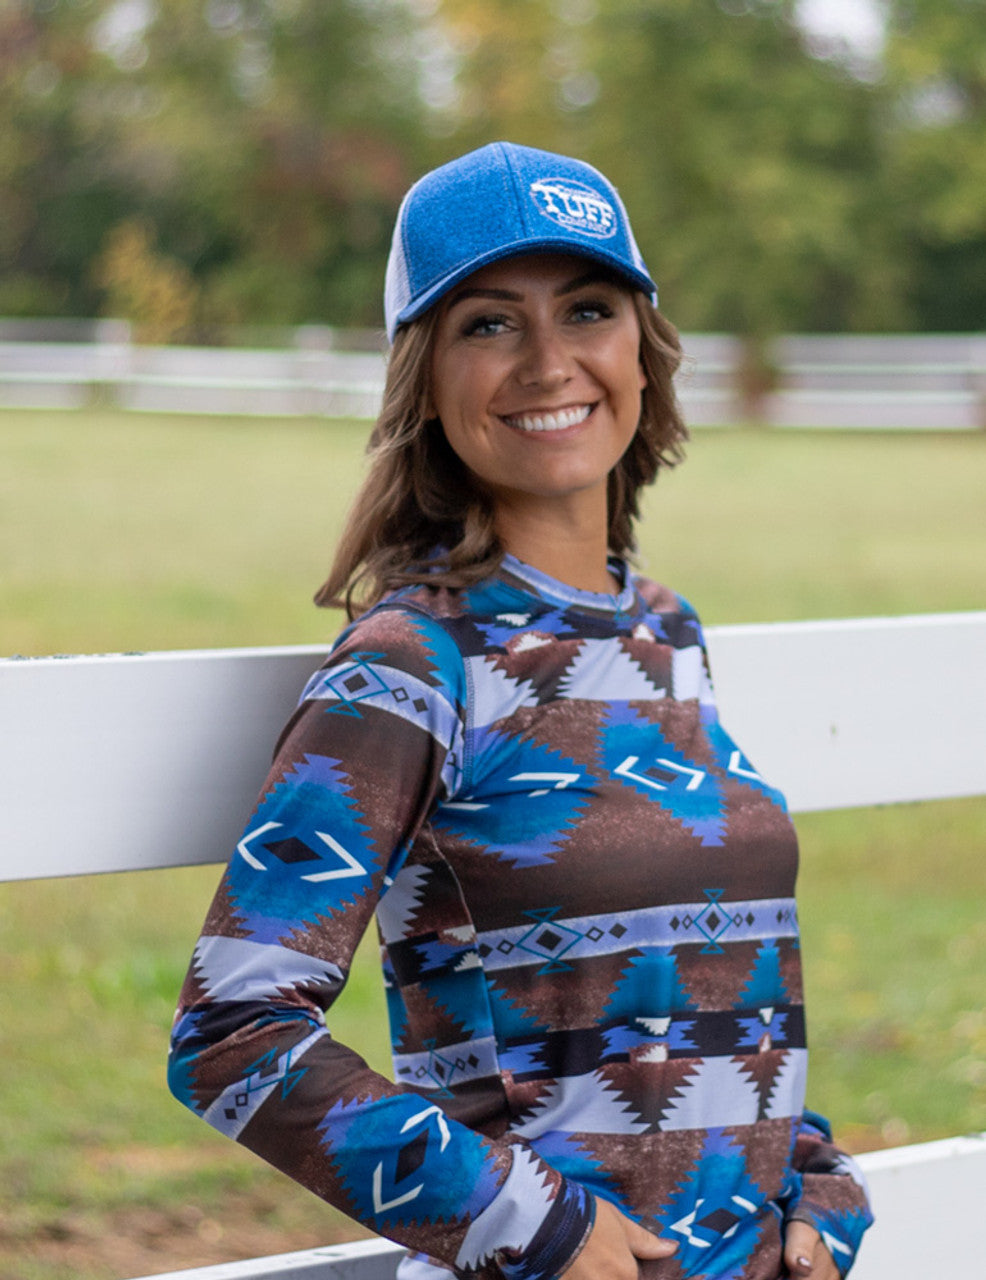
[557, 421]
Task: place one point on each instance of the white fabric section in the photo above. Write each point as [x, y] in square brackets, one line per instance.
[512, 1219]
[419, 1069]
[438, 717]
[787, 1098]
[541, 584]
[604, 672]
[415, 1267]
[396, 284]
[237, 1104]
[719, 1093]
[747, 921]
[399, 903]
[580, 1104]
[688, 676]
[495, 695]
[242, 970]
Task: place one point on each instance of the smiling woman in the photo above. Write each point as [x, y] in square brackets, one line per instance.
[512, 757]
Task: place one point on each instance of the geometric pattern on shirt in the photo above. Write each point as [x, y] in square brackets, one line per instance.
[592, 944]
[555, 941]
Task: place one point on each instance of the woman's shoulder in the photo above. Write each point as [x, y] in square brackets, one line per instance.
[407, 630]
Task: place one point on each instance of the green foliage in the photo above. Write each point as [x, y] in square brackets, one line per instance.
[155, 294]
[266, 144]
[936, 66]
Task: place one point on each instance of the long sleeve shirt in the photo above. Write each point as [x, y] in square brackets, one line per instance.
[585, 897]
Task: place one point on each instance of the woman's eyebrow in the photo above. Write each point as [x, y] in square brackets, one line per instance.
[497, 295]
[599, 275]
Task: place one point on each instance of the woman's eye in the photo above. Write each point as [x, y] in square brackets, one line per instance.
[588, 310]
[484, 326]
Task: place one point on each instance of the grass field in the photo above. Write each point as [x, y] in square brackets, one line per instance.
[122, 532]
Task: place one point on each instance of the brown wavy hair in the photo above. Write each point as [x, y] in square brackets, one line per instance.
[421, 517]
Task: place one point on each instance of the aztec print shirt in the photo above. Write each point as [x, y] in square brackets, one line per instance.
[584, 892]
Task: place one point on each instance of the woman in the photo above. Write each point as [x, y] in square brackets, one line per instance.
[512, 756]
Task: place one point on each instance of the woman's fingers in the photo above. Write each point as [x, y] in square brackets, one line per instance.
[643, 1244]
[805, 1256]
[614, 1245]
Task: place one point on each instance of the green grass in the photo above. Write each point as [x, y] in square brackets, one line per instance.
[126, 532]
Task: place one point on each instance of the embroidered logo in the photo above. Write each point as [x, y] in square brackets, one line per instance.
[575, 207]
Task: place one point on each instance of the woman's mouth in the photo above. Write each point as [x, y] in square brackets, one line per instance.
[555, 420]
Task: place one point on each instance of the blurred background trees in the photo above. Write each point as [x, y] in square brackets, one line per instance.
[192, 164]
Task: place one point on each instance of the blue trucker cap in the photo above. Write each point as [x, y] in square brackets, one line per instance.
[497, 202]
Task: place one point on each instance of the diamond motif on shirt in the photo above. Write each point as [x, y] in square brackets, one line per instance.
[712, 923]
[540, 940]
[720, 1221]
[353, 684]
[411, 1157]
[292, 850]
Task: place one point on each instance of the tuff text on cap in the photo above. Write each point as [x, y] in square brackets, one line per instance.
[574, 207]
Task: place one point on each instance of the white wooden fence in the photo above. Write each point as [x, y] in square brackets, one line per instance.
[895, 382]
[153, 733]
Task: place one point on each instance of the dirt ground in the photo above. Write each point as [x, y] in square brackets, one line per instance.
[145, 1241]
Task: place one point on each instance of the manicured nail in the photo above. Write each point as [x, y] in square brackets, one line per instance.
[804, 1263]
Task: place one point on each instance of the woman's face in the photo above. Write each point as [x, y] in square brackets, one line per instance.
[536, 377]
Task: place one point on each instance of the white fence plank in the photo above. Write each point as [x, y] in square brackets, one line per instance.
[361, 1260]
[927, 1200]
[103, 759]
[126, 762]
[861, 711]
[877, 382]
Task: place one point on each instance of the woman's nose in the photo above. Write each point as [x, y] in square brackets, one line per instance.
[545, 360]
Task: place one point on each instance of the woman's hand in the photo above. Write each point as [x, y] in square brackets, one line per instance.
[614, 1245]
[805, 1255]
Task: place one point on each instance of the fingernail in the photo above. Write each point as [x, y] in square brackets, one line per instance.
[804, 1263]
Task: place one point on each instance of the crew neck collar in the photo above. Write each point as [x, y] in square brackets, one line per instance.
[542, 584]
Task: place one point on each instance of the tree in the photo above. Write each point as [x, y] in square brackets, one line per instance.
[936, 68]
[747, 163]
[59, 188]
[264, 144]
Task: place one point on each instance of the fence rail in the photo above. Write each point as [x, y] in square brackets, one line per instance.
[935, 381]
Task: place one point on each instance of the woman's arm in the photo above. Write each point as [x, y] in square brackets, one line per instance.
[375, 742]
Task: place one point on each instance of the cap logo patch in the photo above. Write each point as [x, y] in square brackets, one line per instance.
[575, 207]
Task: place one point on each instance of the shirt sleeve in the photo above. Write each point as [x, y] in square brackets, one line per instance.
[374, 744]
[831, 1195]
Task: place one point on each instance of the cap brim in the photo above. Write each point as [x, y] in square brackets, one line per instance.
[639, 280]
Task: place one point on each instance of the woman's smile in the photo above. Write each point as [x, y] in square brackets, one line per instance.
[548, 419]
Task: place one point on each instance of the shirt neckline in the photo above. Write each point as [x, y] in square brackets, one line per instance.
[543, 585]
